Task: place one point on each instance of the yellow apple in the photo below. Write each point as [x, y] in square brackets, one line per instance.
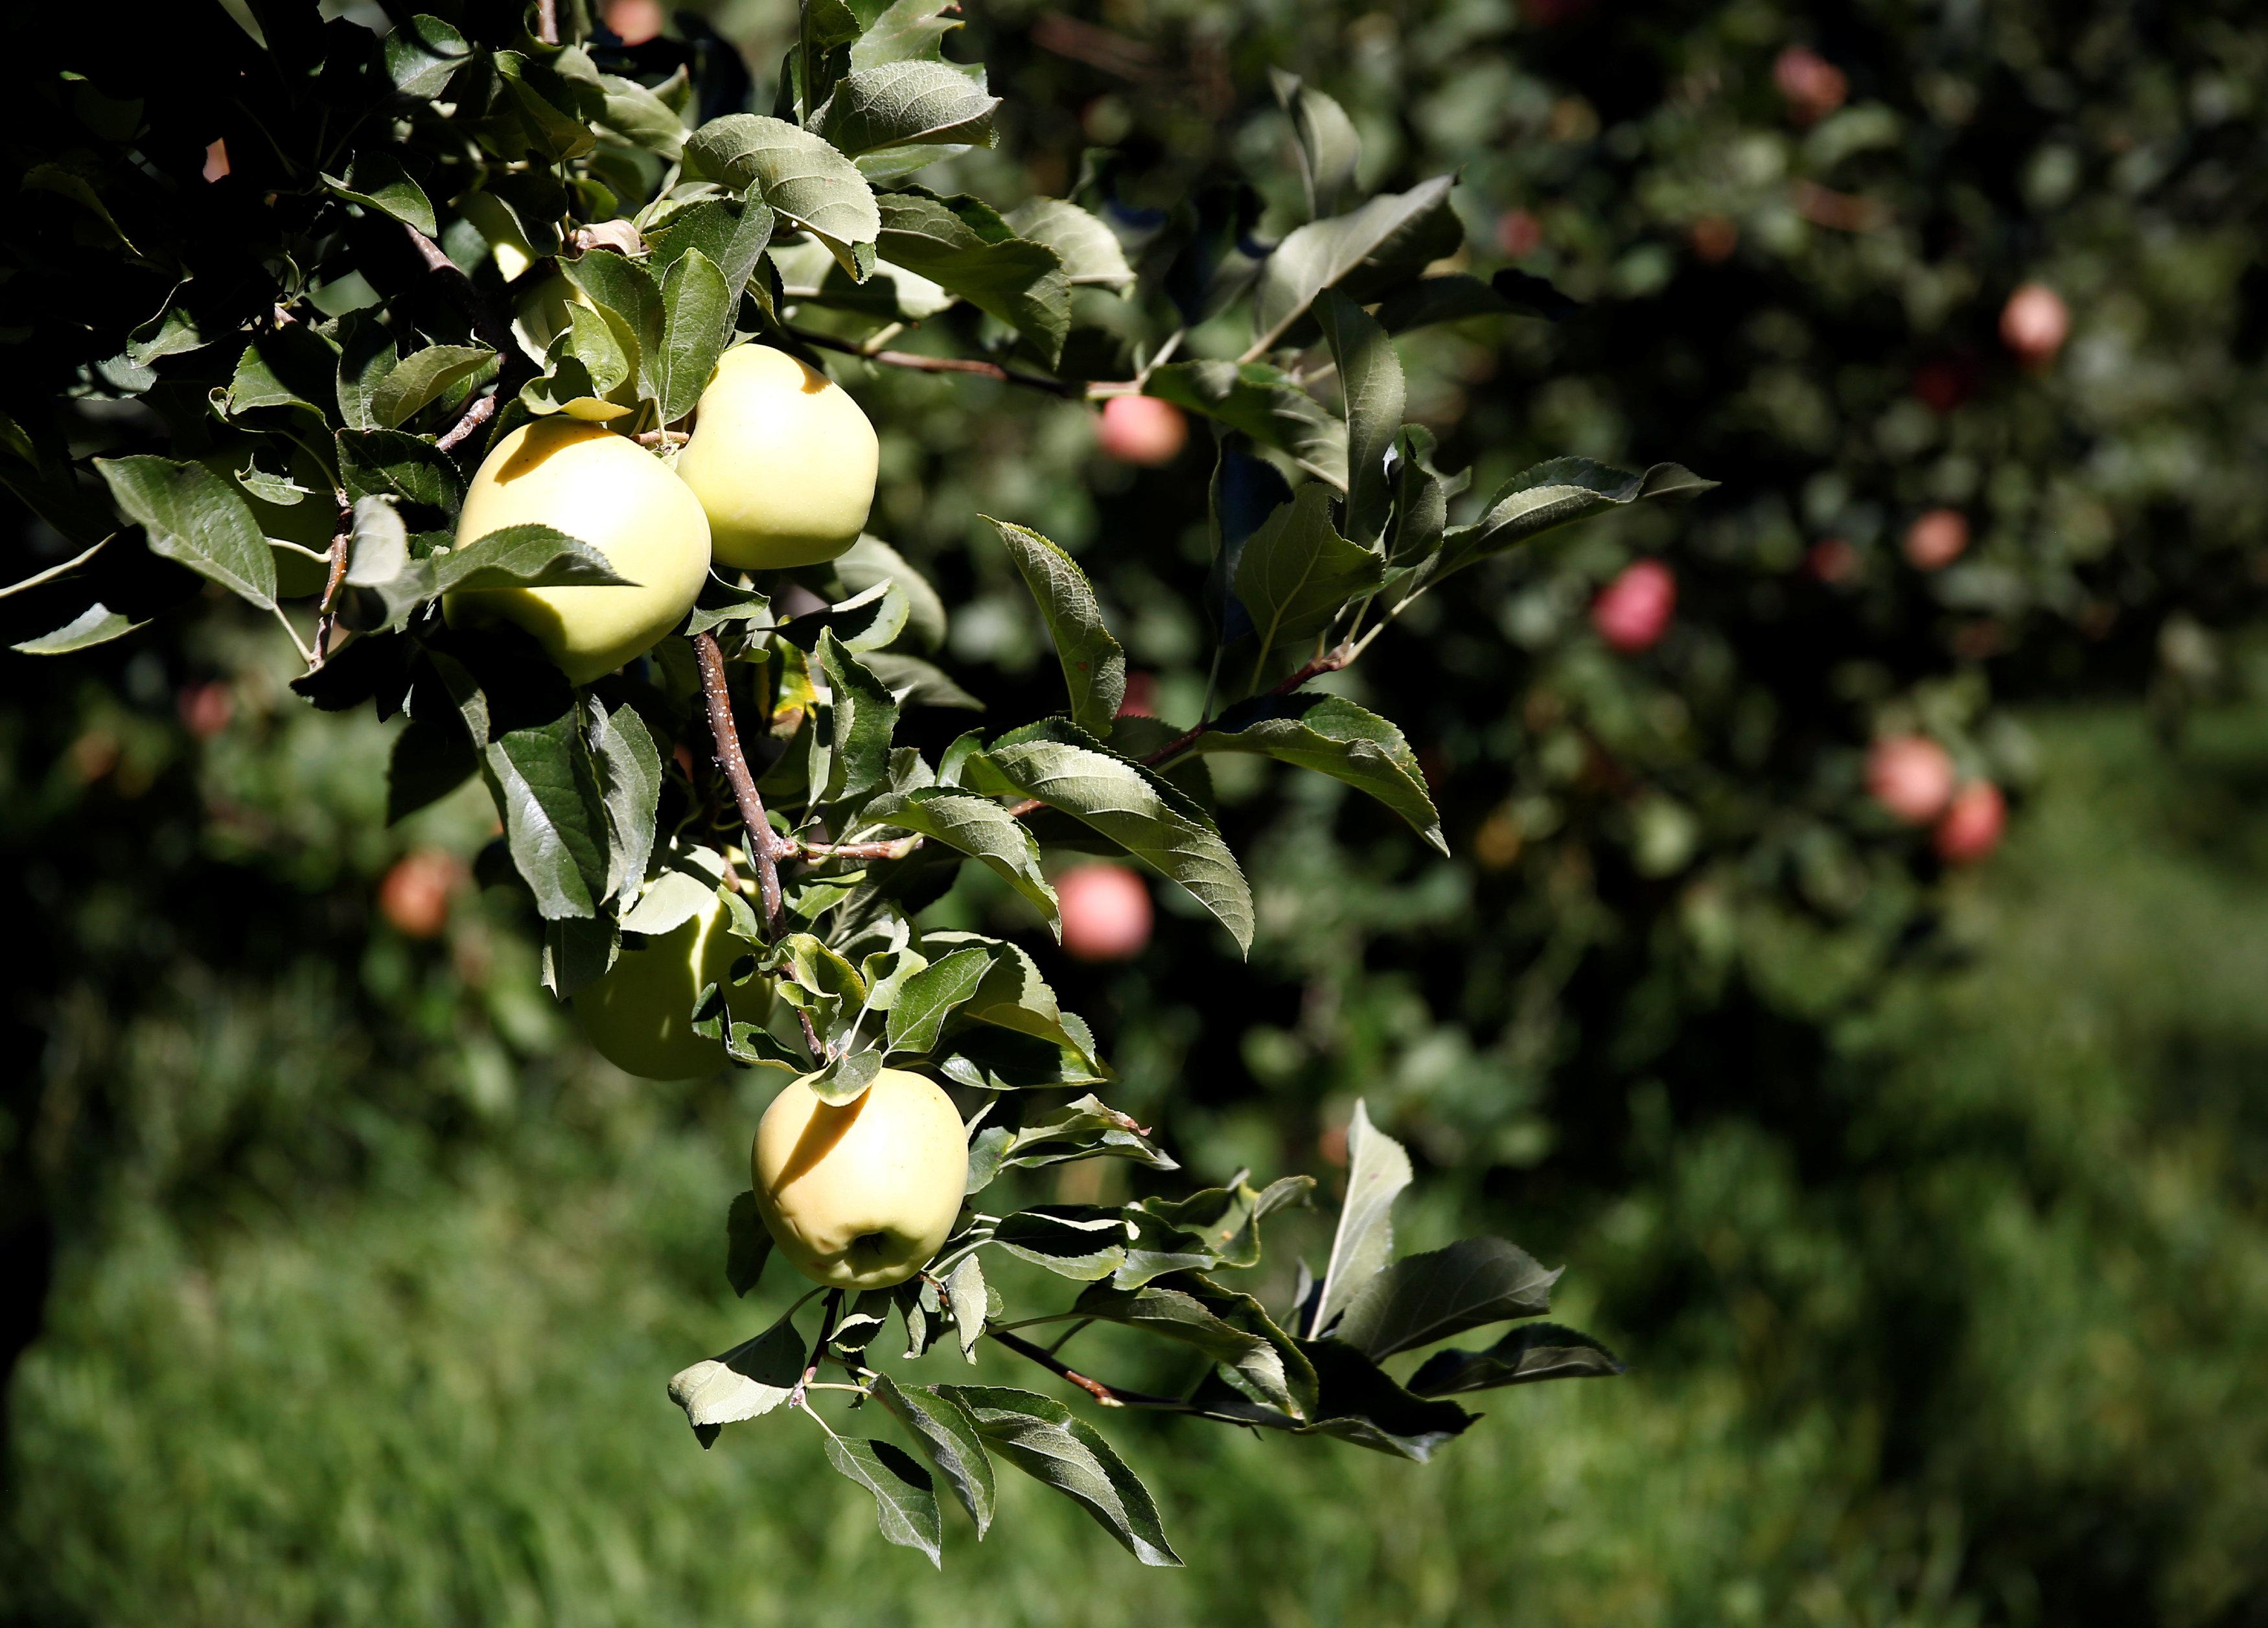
[864, 1195]
[604, 488]
[783, 461]
[640, 1015]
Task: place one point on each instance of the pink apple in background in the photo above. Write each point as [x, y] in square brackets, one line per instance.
[1814, 86]
[207, 707]
[1519, 234]
[1936, 539]
[636, 21]
[1632, 612]
[1141, 697]
[1912, 776]
[1832, 560]
[1106, 912]
[1972, 826]
[414, 895]
[2035, 323]
[1714, 237]
[1141, 430]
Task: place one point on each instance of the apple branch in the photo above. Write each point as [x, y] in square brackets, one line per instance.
[765, 845]
[491, 330]
[1109, 1395]
[1070, 390]
[827, 1316]
[327, 619]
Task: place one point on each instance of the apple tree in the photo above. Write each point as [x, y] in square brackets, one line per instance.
[487, 358]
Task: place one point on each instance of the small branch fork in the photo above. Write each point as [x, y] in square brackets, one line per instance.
[827, 1316]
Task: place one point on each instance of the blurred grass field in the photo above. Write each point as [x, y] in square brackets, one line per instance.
[1981, 1343]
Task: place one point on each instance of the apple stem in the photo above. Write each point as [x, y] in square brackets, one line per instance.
[327, 619]
[818, 1347]
[765, 845]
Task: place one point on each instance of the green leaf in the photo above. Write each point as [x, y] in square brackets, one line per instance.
[697, 306]
[421, 377]
[1371, 374]
[1063, 767]
[293, 367]
[1091, 253]
[1423, 1297]
[1377, 1171]
[1296, 573]
[979, 828]
[962, 244]
[1357, 1402]
[1550, 495]
[1459, 299]
[97, 624]
[1391, 237]
[1329, 150]
[554, 818]
[528, 555]
[967, 1298]
[377, 180]
[946, 1432]
[748, 1244]
[1227, 1219]
[1421, 497]
[577, 953]
[382, 463]
[1086, 1129]
[802, 178]
[422, 54]
[905, 1499]
[861, 716]
[907, 31]
[1013, 995]
[1332, 736]
[642, 118]
[1093, 664]
[429, 759]
[1175, 1314]
[1079, 1241]
[733, 234]
[844, 1080]
[870, 560]
[626, 297]
[916, 682]
[629, 765]
[1263, 402]
[907, 103]
[191, 516]
[1525, 1356]
[933, 995]
[366, 355]
[1047, 1441]
[746, 1383]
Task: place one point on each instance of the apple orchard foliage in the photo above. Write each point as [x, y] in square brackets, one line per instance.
[323, 317]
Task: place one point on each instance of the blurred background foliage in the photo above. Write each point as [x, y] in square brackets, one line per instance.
[1926, 1203]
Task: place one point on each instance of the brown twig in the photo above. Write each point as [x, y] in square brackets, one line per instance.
[895, 850]
[818, 1346]
[766, 846]
[1109, 1395]
[327, 616]
[492, 330]
[811, 1040]
[547, 21]
[1069, 390]
[478, 411]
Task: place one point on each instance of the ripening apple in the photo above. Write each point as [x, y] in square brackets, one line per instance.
[588, 481]
[861, 1196]
[2035, 323]
[415, 896]
[782, 458]
[640, 1015]
[1911, 776]
[1936, 539]
[1972, 824]
[1632, 612]
[1141, 430]
[1106, 912]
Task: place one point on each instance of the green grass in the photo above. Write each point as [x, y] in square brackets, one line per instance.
[2014, 1338]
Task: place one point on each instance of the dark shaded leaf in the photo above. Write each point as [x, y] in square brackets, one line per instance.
[962, 244]
[1525, 1356]
[192, 516]
[1423, 1298]
[946, 1433]
[1333, 736]
[905, 1499]
[1047, 1441]
[1261, 401]
[1093, 664]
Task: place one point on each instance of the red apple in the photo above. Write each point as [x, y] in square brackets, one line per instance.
[635, 21]
[1832, 560]
[1715, 237]
[1972, 826]
[2035, 323]
[1106, 912]
[1912, 776]
[1141, 430]
[1633, 611]
[1936, 539]
[1141, 697]
[414, 895]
